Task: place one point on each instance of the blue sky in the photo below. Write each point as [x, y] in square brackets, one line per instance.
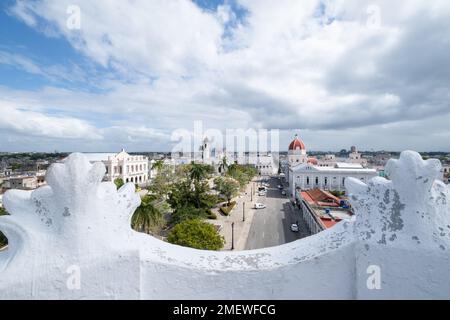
[138, 71]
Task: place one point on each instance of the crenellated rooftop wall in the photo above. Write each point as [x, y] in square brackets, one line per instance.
[72, 240]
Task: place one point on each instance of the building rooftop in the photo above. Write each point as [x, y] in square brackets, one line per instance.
[346, 165]
[326, 207]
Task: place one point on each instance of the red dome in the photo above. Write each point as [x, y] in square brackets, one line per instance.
[297, 144]
[313, 161]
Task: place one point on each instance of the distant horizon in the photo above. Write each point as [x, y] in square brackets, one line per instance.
[165, 152]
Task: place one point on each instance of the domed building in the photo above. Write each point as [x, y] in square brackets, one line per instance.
[297, 152]
[304, 173]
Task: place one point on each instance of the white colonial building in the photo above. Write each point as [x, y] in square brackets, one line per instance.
[328, 174]
[129, 168]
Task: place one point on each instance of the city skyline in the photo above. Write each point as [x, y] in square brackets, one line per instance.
[74, 77]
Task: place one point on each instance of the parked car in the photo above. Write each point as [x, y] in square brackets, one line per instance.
[283, 192]
[260, 206]
[280, 186]
[294, 227]
[262, 193]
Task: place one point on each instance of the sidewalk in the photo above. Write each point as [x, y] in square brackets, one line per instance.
[241, 228]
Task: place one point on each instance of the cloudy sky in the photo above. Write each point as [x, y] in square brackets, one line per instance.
[375, 74]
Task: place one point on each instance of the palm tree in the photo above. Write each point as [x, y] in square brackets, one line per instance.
[158, 165]
[197, 172]
[147, 217]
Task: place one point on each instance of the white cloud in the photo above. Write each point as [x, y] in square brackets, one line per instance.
[154, 37]
[287, 64]
[31, 123]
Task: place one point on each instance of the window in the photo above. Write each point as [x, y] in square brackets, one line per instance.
[326, 180]
[307, 180]
[317, 180]
[343, 181]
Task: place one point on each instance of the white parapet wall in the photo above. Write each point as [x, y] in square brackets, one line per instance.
[72, 240]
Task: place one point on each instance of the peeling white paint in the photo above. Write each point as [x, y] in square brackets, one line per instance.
[401, 225]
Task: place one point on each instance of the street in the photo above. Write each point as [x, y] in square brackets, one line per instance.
[272, 226]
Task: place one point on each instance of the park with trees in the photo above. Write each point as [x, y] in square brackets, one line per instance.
[181, 198]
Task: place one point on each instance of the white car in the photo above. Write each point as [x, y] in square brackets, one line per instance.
[260, 206]
[280, 186]
[283, 193]
[261, 193]
[294, 227]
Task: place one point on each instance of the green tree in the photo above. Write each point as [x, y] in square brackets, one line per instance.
[190, 200]
[16, 166]
[147, 218]
[227, 187]
[188, 212]
[196, 234]
[197, 172]
[180, 195]
[166, 176]
[119, 183]
[3, 239]
[158, 165]
[188, 193]
[242, 173]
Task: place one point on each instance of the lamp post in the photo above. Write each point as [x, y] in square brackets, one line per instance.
[243, 212]
[232, 236]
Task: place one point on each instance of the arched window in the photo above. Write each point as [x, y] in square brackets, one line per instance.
[317, 180]
[307, 180]
[326, 180]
